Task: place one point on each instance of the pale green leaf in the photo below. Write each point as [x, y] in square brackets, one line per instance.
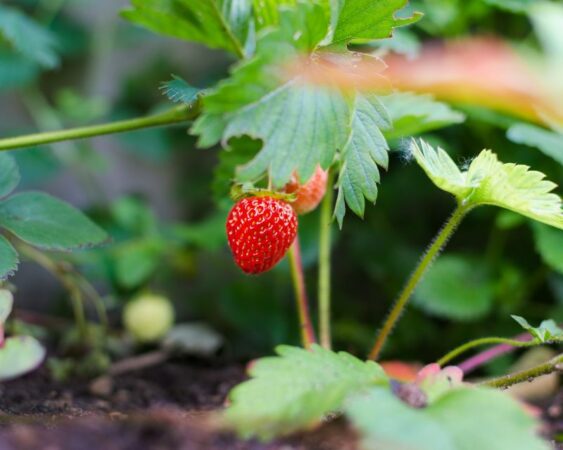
[8, 258]
[19, 355]
[465, 418]
[369, 20]
[365, 149]
[179, 91]
[297, 389]
[456, 287]
[9, 174]
[549, 142]
[215, 23]
[6, 304]
[547, 331]
[413, 114]
[488, 181]
[549, 244]
[49, 223]
[28, 37]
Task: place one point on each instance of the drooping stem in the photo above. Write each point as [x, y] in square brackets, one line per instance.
[175, 115]
[553, 365]
[305, 324]
[485, 341]
[470, 364]
[324, 265]
[428, 258]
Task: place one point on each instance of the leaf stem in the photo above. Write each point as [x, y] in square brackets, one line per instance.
[175, 115]
[485, 341]
[324, 264]
[553, 365]
[305, 323]
[428, 258]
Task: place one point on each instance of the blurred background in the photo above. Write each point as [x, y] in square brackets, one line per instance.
[154, 192]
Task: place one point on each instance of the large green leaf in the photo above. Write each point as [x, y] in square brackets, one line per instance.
[9, 174]
[8, 258]
[215, 23]
[296, 389]
[49, 223]
[465, 418]
[19, 355]
[369, 20]
[487, 181]
[549, 142]
[365, 149]
[413, 114]
[456, 287]
[549, 244]
[28, 37]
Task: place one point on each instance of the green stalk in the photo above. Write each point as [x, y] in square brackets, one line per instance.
[484, 341]
[305, 324]
[428, 258]
[175, 115]
[324, 265]
[553, 365]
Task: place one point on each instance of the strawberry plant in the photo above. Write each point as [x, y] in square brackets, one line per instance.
[307, 117]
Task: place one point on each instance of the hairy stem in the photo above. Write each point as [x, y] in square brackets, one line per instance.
[175, 115]
[553, 365]
[305, 324]
[485, 341]
[324, 265]
[428, 258]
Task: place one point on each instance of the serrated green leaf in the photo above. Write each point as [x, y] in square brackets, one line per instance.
[456, 287]
[49, 223]
[549, 142]
[9, 174]
[19, 355]
[413, 114]
[215, 23]
[369, 20]
[548, 331]
[465, 418]
[6, 304]
[28, 37]
[549, 244]
[179, 91]
[296, 389]
[365, 149]
[488, 181]
[8, 258]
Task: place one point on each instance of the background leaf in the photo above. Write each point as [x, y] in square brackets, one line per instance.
[549, 244]
[8, 258]
[49, 223]
[547, 331]
[456, 287]
[549, 142]
[296, 389]
[9, 174]
[20, 355]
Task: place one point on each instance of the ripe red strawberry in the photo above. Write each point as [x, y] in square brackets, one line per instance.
[260, 230]
[310, 194]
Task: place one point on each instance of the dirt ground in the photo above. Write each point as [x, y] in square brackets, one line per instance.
[166, 407]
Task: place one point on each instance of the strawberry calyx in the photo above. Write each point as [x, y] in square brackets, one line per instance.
[239, 191]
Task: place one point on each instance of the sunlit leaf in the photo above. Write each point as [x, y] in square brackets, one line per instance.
[487, 181]
[547, 331]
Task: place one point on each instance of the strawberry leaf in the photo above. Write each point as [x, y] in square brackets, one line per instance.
[8, 258]
[549, 244]
[216, 23]
[548, 142]
[547, 331]
[487, 181]
[296, 389]
[464, 418]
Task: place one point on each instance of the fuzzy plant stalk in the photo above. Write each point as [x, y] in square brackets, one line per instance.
[308, 337]
[176, 115]
[425, 263]
[324, 265]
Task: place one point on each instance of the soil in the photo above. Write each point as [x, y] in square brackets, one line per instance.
[167, 407]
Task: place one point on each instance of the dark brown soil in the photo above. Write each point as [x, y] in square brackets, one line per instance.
[170, 407]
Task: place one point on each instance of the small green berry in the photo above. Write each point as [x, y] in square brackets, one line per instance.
[149, 317]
